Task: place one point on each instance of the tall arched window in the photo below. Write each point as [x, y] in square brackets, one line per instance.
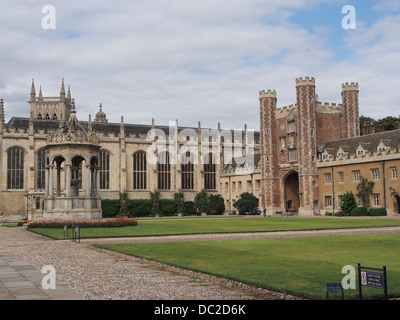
[41, 169]
[139, 171]
[15, 168]
[164, 171]
[187, 172]
[209, 172]
[104, 170]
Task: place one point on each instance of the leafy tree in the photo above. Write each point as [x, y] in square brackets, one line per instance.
[201, 201]
[246, 203]
[386, 124]
[347, 203]
[216, 204]
[364, 189]
[363, 120]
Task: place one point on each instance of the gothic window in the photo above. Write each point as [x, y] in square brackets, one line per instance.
[394, 173]
[209, 173]
[187, 172]
[39, 116]
[291, 126]
[47, 116]
[164, 171]
[139, 171]
[41, 169]
[15, 168]
[357, 175]
[54, 117]
[104, 170]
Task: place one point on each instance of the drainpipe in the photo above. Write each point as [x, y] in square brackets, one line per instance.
[333, 192]
[384, 183]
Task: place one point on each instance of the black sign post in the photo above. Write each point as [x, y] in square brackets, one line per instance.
[372, 277]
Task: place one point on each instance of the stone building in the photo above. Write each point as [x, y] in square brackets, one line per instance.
[132, 158]
[298, 140]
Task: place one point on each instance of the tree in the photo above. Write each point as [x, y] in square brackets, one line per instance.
[386, 124]
[216, 204]
[246, 203]
[347, 203]
[201, 201]
[364, 189]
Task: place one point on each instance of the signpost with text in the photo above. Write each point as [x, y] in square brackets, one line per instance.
[372, 277]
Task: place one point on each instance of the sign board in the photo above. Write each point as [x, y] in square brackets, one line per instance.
[334, 288]
[372, 277]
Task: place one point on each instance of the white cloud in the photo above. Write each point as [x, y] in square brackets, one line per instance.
[187, 60]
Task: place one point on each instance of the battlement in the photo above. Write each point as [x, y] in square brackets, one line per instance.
[267, 94]
[352, 86]
[307, 81]
[325, 107]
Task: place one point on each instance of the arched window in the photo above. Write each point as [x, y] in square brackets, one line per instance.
[15, 168]
[164, 171]
[187, 172]
[40, 116]
[41, 169]
[54, 117]
[104, 170]
[139, 171]
[47, 116]
[209, 172]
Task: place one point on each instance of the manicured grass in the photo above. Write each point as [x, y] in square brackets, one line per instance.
[157, 227]
[299, 266]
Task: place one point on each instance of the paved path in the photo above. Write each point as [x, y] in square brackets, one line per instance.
[98, 274]
[20, 280]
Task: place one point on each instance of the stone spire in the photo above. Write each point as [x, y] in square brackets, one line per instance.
[62, 91]
[33, 91]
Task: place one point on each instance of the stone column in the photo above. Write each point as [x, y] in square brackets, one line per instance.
[51, 181]
[68, 181]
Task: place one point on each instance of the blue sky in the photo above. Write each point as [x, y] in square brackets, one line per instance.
[198, 60]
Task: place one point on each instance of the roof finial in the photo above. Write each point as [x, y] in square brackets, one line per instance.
[33, 91]
[62, 91]
[69, 93]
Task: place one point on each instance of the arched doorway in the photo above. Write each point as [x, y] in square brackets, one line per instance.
[396, 203]
[291, 183]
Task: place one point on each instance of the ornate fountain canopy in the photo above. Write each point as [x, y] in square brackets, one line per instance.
[73, 132]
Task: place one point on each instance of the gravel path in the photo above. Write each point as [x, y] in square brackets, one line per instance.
[104, 275]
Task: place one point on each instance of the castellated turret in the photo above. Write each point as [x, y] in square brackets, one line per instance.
[50, 108]
[291, 137]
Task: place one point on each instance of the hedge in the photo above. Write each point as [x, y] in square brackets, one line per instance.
[378, 212]
[110, 208]
[112, 223]
[359, 211]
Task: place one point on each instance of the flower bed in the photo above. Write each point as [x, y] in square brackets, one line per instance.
[109, 223]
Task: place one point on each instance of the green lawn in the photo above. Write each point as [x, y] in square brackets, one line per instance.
[157, 227]
[299, 266]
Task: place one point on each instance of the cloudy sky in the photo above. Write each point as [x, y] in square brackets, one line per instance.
[197, 60]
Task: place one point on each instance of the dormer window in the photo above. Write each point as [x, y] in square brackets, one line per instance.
[360, 152]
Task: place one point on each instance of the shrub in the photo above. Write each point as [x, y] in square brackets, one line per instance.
[110, 208]
[189, 208]
[155, 201]
[201, 201]
[180, 203]
[359, 211]
[246, 203]
[347, 203]
[216, 204]
[167, 207]
[378, 212]
[141, 208]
